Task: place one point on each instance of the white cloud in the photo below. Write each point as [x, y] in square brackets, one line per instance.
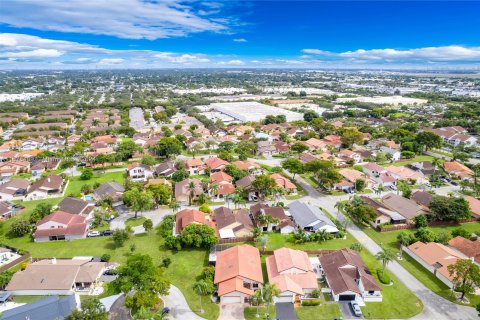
[453, 53]
[232, 63]
[240, 40]
[131, 19]
[182, 58]
[37, 53]
[108, 61]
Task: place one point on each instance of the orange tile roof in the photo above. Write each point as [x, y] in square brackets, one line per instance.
[215, 163]
[466, 246]
[474, 205]
[189, 216]
[283, 182]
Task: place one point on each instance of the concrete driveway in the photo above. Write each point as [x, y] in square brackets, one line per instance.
[285, 311]
[347, 311]
[231, 311]
[179, 309]
[156, 216]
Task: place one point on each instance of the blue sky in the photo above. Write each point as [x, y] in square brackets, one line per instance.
[58, 34]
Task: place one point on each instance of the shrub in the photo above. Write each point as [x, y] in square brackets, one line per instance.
[20, 228]
[119, 237]
[208, 273]
[166, 262]
[420, 221]
[384, 277]
[87, 174]
[105, 257]
[316, 293]
[311, 303]
[357, 246]
[461, 232]
[205, 208]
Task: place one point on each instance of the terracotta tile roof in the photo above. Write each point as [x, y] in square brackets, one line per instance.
[193, 163]
[454, 167]
[245, 165]
[474, 205]
[220, 176]
[437, 255]
[238, 261]
[466, 246]
[189, 216]
[233, 285]
[283, 182]
[215, 163]
[226, 188]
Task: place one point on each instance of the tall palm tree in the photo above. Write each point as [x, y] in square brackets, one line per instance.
[271, 220]
[269, 291]
[191, 192]
[263, 241]
[214, 189]
[257, 300]
[202, 288]
[386, 256]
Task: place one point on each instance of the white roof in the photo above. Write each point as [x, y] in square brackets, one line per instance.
[226, 233]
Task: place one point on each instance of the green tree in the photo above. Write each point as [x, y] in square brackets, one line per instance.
[257, 300]
[180, 175]
[269, 291]
[298, 147]
[351, 136]
[168, 147]
[310, 115]
[20, 227]
[92, 309]
[324, 171]
[198, 236]
[147, 225]
[148, 160]
[161, 193]
[119, 236]
[126, 149]
[466, 276]
[87, 174]
[138, 200]
[386, 256]
[264, 185]
[449, 208]
[429, 140]
[294, 166]
[5, 278]
[425, 235]
[41, 210]
[140, 276]
[203, 288]
[420, 221]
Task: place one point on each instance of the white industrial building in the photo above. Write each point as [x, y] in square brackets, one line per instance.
[253, 111]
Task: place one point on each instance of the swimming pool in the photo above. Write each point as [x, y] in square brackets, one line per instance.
[88, 198]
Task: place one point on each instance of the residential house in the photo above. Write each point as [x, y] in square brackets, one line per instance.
[405, 207]
[471, 249]
[183, 192]
[285, 225]
[110, 190]
[292, 272]
[238, 273]
[252, 167]
[42, 165]
[6, 210]
[266, 149]
[48, 187]
[350, 176]
[216, 164]
[187, 217]
[406, 174]
[315, 144]
[474, 204]
[455, 136]
[61, 226]
[310, 218]
[194, 166]
[348, 278]
[232, 224]
[78, 207]
[50, 307]
[435, 257]
[422, 198]
[349, 155]
[395, 154]
[14, 189]
[139, 172]
[425, 167]
[284, 183]
[110, 140]
[379, 174]
[246, 183]
[13, 167]
[165, 169]
[457, 170]
[384, 214]
[72, 139]
[57, 277]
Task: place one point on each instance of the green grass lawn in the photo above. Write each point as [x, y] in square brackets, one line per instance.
[415, 159]
[324, 311]
[75, 184]
[278, 240]
[398, 301]
[250, 312]
[389, 240]
[135, 222]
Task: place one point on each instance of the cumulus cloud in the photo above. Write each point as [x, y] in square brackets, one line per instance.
[232, 63]
[37, 53]
[453, 53]
[240, 40]
[109, 61]
[130, 19]
[181, 58]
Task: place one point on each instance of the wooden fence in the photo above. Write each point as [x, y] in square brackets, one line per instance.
[235, 240]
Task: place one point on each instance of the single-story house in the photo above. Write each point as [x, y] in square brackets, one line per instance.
[47, 187]
[61, 226]
[51, 307]
[471, 249]
[405, 207]
[77, 206]
[384, 214]
[310, 218]
[183, 192]
[187, 217]
[232, 224]
[14, 189]
[110, 190]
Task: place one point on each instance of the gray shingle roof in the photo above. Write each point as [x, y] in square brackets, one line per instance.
[305, 214]
[44, 309]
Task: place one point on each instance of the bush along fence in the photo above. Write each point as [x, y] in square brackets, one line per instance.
[387, 228]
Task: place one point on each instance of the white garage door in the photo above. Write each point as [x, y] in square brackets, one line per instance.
[234, 299]
[284, 299]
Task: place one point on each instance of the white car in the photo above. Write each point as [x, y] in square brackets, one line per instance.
[92, 234]
[356, 309]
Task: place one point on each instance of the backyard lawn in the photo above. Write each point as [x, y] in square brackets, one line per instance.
[75, 185]
[324, 311]
[277, 240]
[416, 159]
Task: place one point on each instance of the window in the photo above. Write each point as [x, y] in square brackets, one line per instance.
[255, 285]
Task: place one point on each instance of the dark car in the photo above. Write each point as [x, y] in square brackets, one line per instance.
[110, 272]
[107, 232]
[454, 183]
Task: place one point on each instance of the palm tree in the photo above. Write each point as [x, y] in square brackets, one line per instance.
[227, 198]
[386, 256]
[340, 206]
[322, 235]
[202, 288]
[174, 206]
[263, 241]
[257, 300]
[191, 193]
[269, 291]
[214, 189]
[271, 220]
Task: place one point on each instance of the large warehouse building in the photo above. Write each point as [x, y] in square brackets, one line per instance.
[253, 111]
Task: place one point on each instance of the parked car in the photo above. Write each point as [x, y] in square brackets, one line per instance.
[454, 183]
[356, 309]
[106, 232]
[92, 234]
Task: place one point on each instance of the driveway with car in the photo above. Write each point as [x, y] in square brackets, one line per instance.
[347, 310]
